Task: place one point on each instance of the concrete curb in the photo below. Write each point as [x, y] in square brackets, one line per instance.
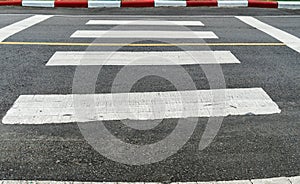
[280, 180]
[152, 3]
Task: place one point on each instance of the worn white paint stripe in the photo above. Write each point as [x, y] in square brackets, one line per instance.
[43, 109]
[72, 182]
[288, 39]
[103, 4]
[142, 58]
[143, 34]
[233, 3]
[290, 180]
[289, 4]
[280, 180]
[21, 25]
[144, 22]
[158, 3]
[295, 179]
[49, 4]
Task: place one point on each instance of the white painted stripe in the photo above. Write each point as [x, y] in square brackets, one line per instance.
[263, 181]
[144, 58]
[144, 22]
[289, 4]
[43, 109]
[72, 182]
[21, 25]
[143, 34]
[225, 182]
[295, 179]
[49, 4]
[280, 180]
[290, 40]
[233, 3]
[103, 4]
[158, 3]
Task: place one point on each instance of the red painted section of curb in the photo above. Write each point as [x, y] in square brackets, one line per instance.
[71, 3]
[262, 4]
[137, 3]
[10, 2]
[201, 3]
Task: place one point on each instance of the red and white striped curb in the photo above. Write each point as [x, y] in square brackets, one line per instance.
[280, 180]
[152, 3]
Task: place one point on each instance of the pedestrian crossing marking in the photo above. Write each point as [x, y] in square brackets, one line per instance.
[144, 22]
[145, 58]
[45, 109]
[55, 108]
[143, 34]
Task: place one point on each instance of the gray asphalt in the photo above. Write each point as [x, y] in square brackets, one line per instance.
[245, 147]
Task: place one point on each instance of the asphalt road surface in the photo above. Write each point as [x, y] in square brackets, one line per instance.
[247, 145]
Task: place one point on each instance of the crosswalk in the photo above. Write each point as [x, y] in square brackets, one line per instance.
[144, 34]
[126, 58]
[148, 22]
[56, 108]
[43, 109]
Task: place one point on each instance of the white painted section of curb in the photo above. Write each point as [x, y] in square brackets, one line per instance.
[144, 22]
[104, 4]
[47, 109]
[265, 181]
[234, 3]
[159, 3]
[14, 28]
[144, 34]
[290, 40]
[47, 4]
[289, 4]
[142, 58]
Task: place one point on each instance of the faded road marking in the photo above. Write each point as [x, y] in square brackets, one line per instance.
[47, 109]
